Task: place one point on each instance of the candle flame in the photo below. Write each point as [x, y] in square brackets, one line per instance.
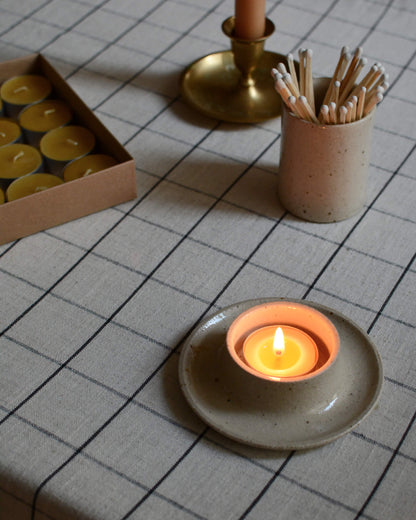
[279, 342]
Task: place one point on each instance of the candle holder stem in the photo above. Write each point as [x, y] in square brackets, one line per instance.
[235, 85]
[247, 53]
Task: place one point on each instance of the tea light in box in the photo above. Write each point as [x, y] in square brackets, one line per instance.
[10, 132]
[30, 184]
[64, 144]
[39, 118]
[87, 165]
[17, 160]
[23, 90]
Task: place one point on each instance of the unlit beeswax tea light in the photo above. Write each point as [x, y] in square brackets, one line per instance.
[17, 160]
[24, 90]
[30, 184]
[87, 165]
[64, 144]
[39, 118]
[10, 132]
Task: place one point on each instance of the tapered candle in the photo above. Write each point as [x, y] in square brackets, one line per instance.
[31, 184]
[250, 19]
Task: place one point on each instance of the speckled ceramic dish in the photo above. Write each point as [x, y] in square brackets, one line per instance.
[277, 415]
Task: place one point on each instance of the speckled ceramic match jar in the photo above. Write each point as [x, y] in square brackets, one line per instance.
[323, 169]
[310, 341]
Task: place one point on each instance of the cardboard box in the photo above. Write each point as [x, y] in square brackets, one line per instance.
[76, 198]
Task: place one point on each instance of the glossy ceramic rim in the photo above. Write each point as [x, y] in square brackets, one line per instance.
[296, 416]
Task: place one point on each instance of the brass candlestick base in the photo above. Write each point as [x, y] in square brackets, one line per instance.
[235, 85]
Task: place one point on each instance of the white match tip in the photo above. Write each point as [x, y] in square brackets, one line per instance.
[324, 109]
[343, 109]
[337, 83]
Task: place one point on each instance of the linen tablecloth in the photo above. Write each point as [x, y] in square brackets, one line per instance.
[93, 424]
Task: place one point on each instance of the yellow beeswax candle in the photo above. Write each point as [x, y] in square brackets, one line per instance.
[19, 91]
[10, 131]
[67, 143]
[45, 115]
[17, 160]
[87, 165]
[30, 184]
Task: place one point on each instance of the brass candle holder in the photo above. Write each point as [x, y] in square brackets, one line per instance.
[235, 85]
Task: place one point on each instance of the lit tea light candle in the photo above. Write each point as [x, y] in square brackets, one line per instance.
[10, 132]
[64, 144]
[20, 91]
[88, 165]
[30, 184]
[280, 351]
[310, 341]
[250, 19]
[41, 117]
[17, 160]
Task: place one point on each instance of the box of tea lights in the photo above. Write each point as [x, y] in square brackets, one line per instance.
[58, 162]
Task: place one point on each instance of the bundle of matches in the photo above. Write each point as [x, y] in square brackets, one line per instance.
[344, 101]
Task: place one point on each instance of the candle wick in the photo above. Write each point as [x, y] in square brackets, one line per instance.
[2, 134]
[41, 188]
[18, 156]
[71, 141]
[87, 172]
[49, 112]
[19, 89]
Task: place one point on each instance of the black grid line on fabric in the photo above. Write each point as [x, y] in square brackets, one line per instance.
[264, 467]
[100, 463]
[150, 377]
[357, 223]
[267, 486]
[386, 469]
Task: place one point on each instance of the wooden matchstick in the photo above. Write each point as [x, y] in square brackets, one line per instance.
[303, 102]
[372, 102]
[361, 101]
[301, 53]
[353, 64]
[345, 90]
[332, 113]
[342, 63]
[342, 115]
[287, 78]
[324, 114]
[309, 92]
[292, 70]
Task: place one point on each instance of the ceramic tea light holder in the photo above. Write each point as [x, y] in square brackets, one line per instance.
[274, 412]
[323, 169]
[308, 334]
